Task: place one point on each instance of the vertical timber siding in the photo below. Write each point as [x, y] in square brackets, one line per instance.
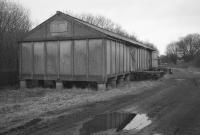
[39, 58]
[95, 57]
[66, 58]
[109, 56]
[26, 58]
[52, 58]
[121, 47]
[80, 57]
[113, 59]
[63, 60]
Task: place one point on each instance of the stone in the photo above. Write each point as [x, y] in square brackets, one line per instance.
[59, 85]
[101, 86]
[23, 84]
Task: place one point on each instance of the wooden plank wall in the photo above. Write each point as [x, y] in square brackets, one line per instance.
[78, 59]
[118, 57]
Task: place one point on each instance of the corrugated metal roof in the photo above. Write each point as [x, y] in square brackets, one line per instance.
[108, 33]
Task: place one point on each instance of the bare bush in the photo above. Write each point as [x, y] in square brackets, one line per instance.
[186, 48]
[105, 23]
[108, 24]
[189, 46]
[150, 45]
[172, 52]
[14, 23]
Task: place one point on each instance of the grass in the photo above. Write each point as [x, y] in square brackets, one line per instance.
[20, 106]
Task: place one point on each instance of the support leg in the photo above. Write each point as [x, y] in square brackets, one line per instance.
[120, 81]
[101, 86]
[112, 83]
[170, 71]
[127, 78]
[59, 85]
[23, 84]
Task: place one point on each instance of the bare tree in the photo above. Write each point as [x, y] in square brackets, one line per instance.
[163, 59]
[189, 46]
[99, 21]
[151, 45]
[172, 52]
[109, 25]
[105, 23]
[186, 48]
[14, 22]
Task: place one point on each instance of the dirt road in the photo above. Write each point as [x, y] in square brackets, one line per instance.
[173, 106]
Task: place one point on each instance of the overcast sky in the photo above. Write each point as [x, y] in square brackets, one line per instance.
[156, 21]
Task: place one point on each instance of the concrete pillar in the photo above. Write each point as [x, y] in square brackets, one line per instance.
[59, 85]
[108, 86]
[170, 71]
[127, 78]
[120, 81]
[112, 83]
[132, 77]
[101, 86]
[23, 84]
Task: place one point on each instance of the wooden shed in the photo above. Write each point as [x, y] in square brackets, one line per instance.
[64, 48]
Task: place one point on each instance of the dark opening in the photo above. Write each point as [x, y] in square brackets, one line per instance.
[80, 84]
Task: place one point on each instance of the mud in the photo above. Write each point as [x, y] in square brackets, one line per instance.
[170, 108]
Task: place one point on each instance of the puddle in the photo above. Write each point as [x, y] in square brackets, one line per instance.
[112, 123]
[138, 123]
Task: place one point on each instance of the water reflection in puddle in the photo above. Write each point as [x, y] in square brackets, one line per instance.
[111, 123]
[106, 123]
[138, 123]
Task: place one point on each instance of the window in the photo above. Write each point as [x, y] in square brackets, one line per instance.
[58, 26]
